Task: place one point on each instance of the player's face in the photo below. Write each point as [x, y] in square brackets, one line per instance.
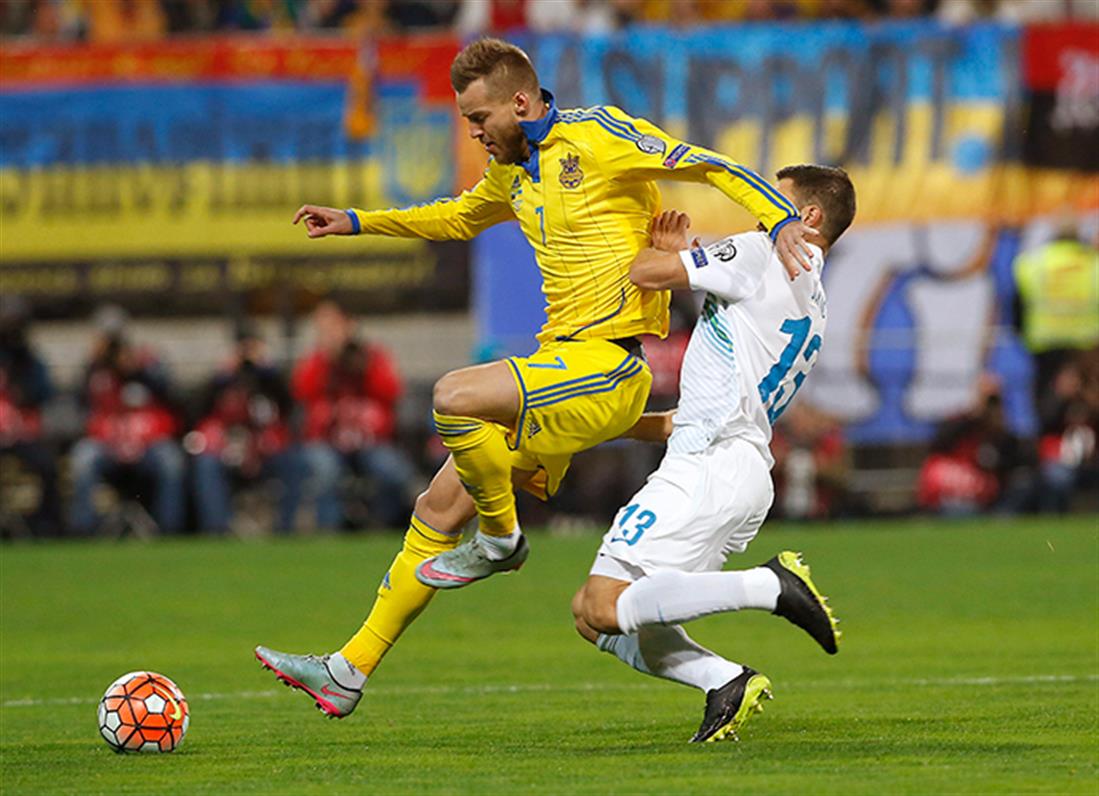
[331, 328]
[493, 121]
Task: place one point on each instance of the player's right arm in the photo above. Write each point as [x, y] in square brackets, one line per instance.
[453, 218]
[659, 267]
[631, 148]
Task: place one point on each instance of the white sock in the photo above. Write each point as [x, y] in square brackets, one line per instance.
[669, 653]
[344, 672]
[669, 597]
[498, 547]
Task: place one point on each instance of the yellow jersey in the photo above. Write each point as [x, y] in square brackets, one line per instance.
[1059, 287]
[584, 200]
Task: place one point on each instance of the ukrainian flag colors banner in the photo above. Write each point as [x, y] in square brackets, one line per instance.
[171, 167]
[926, 118]
[207, 148]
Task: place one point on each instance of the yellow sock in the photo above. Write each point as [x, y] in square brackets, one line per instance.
[483, 461]
[400, 598]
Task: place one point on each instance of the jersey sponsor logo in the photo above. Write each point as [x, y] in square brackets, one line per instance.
[385, 582]
[571, 175]
[533, 429]
[699, 257]
[651, 145]
[675, 156]
[724, 251]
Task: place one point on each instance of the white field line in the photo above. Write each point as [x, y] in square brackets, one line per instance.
[524, 688]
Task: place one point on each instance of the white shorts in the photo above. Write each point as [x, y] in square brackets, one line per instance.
[694, 511]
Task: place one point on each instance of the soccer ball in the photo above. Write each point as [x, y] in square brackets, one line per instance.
[143, 712]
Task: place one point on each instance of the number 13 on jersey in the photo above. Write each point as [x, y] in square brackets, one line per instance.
[774, 385]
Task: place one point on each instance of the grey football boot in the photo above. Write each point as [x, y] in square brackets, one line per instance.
[310, 673]
[468, 563]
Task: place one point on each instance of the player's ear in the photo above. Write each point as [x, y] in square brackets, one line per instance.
[812, 215]
[521, 104]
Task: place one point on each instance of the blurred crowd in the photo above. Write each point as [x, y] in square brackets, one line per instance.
[317, 445]
[321, 439]
[976, 463]
[136, 20]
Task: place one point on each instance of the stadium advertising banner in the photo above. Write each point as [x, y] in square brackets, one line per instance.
[173, 169]
[929, 120]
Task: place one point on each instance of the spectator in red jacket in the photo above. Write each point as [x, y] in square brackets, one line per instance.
[244, 435]
[349, 390]
[131, 425]
[976, 462]
[25, 387]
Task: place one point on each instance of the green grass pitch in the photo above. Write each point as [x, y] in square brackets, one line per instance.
[970, 664]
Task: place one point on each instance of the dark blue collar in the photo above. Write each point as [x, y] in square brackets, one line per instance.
[537, 130]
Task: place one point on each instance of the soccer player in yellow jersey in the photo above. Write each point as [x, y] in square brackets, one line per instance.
[581, 183]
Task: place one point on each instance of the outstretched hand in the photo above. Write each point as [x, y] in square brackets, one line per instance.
[668, 231]
[792, 248]
[322, 221]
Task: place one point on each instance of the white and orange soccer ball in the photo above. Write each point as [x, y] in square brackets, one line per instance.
[143, 712]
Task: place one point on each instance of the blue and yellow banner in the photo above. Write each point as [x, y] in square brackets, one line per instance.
[926, 118]
[963, 144]
[206, 147]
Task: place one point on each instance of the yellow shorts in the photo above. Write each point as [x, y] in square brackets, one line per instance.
[572, 396]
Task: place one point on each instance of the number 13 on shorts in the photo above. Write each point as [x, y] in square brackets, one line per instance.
[632, 524]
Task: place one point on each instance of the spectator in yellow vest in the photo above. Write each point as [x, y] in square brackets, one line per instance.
[1058, 302]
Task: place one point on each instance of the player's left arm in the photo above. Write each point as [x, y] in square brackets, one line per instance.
[731, 269]
[635, 149]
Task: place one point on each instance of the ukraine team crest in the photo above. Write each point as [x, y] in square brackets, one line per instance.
[516, 195]
[571, 175]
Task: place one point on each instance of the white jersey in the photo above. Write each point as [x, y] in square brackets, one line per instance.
[757, 338]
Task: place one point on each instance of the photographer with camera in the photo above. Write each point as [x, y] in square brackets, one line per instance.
[349, 389]
[131, 427]
[25, 388]
[244, 435]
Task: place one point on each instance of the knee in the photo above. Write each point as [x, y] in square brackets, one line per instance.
[87, 457]
[452, 396]
[600, 612]
[577, 606]
[167, 460]
[582, 627]
[323, 465]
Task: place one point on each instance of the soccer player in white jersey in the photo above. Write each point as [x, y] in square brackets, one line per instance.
[659, 565]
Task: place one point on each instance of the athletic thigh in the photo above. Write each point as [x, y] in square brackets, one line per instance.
[573, 396]
[692, 512]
